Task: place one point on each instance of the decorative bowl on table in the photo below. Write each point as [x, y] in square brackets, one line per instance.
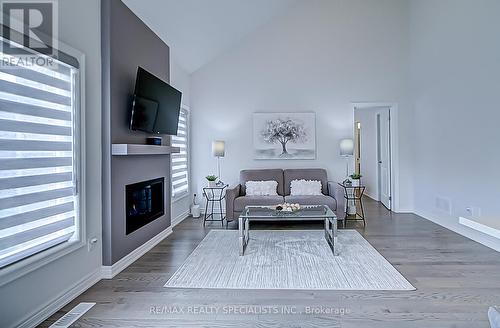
[287, 208]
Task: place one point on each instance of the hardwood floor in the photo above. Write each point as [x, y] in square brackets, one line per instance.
[456, 279]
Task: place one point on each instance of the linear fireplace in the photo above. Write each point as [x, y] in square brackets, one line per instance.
[144, 203]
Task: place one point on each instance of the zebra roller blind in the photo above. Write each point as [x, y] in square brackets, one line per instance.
[180, 161]
[38, 159]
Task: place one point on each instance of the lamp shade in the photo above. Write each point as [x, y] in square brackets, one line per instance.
[218, 148]
[346, 147]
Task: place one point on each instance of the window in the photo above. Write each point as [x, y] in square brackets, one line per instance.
[39, 158]
[180, 161]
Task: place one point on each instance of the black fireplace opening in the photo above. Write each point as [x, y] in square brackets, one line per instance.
[145, 202]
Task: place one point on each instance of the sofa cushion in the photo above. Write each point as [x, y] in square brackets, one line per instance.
[261, 188]
[307, 174]
[305, 187]
[259, 175]
[241, 202]
[313, 200]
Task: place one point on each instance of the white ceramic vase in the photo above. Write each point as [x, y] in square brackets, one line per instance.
[195, 211]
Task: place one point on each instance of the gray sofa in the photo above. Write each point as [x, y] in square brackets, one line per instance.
[236, 198]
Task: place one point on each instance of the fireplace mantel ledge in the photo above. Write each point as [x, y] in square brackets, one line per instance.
[138, 149]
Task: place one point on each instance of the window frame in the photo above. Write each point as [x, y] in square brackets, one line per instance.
[188, 156]
[42, 258]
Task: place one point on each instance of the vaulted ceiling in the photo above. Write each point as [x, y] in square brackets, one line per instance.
[197, 31]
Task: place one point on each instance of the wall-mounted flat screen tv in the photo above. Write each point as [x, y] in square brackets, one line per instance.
[144, 113]
[156, 105]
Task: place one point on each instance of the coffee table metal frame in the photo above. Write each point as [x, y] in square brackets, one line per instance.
[267, 213]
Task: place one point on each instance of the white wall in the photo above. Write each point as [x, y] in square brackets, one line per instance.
[180, 80]
[21, 299]
[319, 56]
[456, 86]
[368, 119]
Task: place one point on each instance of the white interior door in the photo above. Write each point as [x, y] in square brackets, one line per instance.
[384, 157]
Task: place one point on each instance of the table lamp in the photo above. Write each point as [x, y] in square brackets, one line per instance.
[218, 150]
[346, 150]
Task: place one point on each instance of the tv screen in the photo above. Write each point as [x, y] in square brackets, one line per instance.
[153, 95]
[144, 112]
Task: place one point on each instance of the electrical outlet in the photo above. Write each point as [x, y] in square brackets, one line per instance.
[473, 212]
[91, 243]
[468, 210]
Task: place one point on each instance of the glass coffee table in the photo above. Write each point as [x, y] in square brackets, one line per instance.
[268, 213]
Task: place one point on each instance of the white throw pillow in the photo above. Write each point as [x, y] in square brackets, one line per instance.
[261, 188]
[305, 187]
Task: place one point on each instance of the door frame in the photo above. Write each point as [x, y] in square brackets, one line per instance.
[393, 130]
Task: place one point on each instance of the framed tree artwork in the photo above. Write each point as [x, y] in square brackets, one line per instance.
[284, 135]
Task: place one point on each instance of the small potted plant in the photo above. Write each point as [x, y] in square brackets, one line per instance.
[211, 180]
[355, 178]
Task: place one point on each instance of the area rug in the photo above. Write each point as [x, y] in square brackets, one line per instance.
[284, 259]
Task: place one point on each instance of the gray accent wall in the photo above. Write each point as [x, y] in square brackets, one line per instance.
[127, 170]
[126, 44]
[132, 44]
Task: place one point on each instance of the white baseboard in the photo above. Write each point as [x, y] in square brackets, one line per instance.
[454, 225]
[404, 211]
[394, 209]
[179, 218]
[372, 197]
[480, 227]
[108, 272]
[55, 305]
